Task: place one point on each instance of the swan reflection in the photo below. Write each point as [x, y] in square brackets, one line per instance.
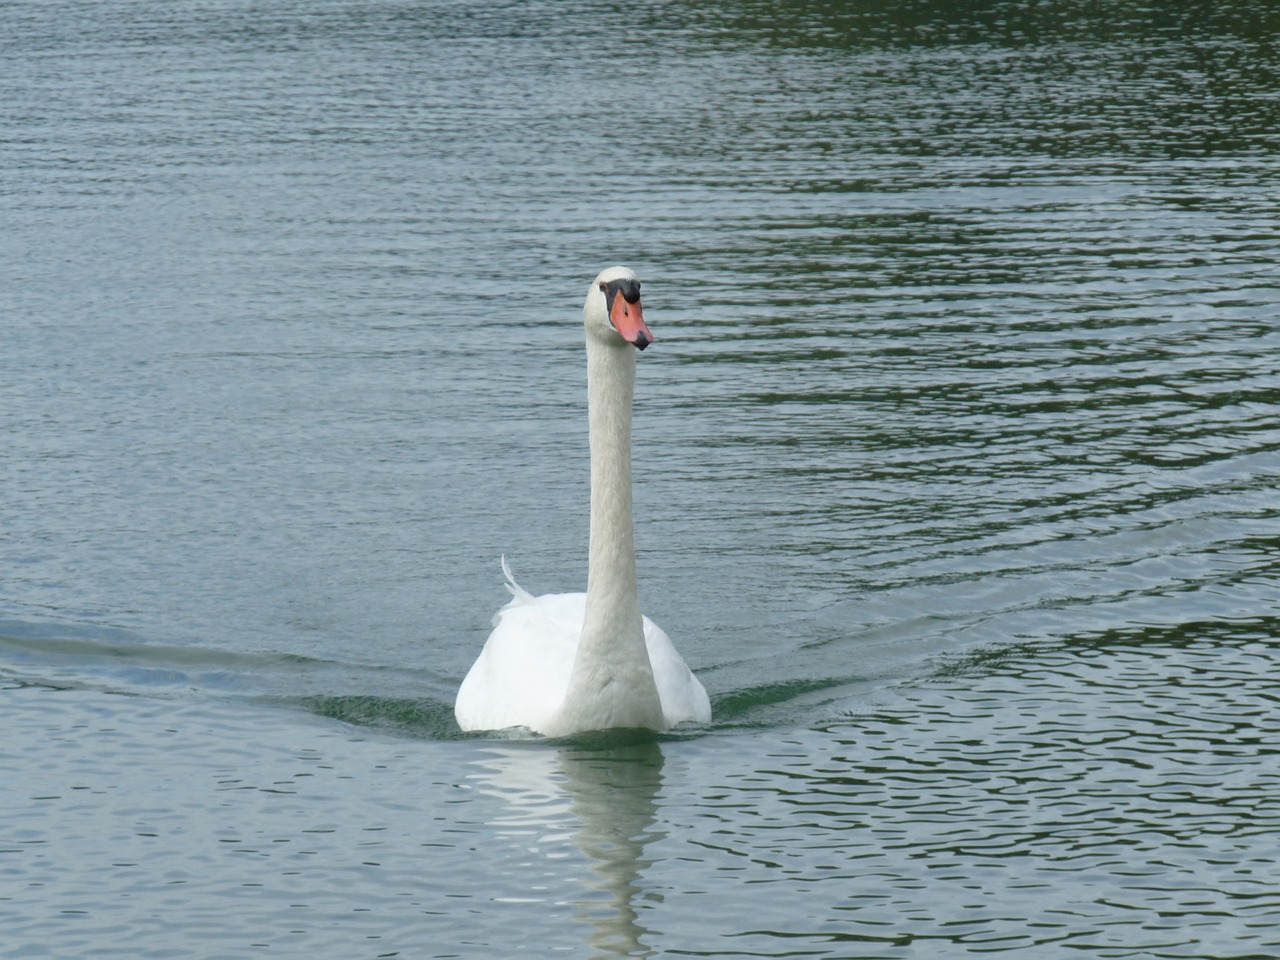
[603, 801]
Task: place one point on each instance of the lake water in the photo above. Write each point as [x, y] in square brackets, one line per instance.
[956, 475]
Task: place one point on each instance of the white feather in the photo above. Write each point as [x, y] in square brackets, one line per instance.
[566, 663]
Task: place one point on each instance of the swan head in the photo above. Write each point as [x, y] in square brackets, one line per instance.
[613, 308]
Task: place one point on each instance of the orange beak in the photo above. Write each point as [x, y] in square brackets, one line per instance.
[628, 320]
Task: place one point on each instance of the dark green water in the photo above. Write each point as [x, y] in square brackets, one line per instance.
[956, 470]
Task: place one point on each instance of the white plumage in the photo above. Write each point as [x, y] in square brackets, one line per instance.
[522, 675]
[567, 663]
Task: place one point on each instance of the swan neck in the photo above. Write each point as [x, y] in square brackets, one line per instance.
[611, 683]
[611, 571]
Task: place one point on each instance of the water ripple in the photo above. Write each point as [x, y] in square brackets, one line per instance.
[956, 463]
[1084, 792]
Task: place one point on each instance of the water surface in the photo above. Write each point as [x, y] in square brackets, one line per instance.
[956, 468]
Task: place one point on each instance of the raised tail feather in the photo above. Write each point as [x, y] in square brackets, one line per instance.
[517, 592]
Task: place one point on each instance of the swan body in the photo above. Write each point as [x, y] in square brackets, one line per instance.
[568, 663]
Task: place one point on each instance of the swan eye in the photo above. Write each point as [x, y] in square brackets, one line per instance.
[604, 288]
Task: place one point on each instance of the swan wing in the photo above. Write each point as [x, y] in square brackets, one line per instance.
[522, 674]
[683, 697]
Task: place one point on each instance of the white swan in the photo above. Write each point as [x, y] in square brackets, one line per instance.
[569, 663]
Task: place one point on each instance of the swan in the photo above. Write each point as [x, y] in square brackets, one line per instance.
[569, 663]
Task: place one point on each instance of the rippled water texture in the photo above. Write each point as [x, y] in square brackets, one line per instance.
[956, 469]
